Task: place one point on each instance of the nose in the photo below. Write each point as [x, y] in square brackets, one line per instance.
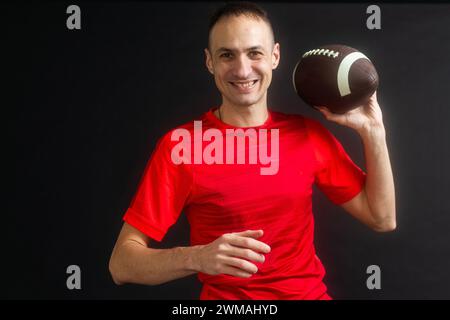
[242, 67]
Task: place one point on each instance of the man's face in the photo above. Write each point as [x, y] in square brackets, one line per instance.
[241, 57]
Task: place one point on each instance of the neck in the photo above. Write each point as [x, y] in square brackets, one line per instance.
[243, 116]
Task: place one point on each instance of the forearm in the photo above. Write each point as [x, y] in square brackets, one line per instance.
[379, 186]
[133, 262]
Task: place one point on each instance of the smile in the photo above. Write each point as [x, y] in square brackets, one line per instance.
[245, 85]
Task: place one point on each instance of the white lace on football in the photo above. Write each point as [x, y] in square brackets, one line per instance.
[323, 52]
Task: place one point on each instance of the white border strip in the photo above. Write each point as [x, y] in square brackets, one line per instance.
[344, 69]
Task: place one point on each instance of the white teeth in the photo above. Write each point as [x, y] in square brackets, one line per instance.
[245, 85]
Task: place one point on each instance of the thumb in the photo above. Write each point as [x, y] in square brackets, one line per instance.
[330, 116]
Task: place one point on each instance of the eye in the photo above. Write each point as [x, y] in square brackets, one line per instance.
[255, 54]
[226, 55]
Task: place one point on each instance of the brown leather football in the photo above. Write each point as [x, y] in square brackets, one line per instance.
[336, 76]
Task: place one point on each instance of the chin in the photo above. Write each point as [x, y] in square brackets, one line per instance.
[246, 102]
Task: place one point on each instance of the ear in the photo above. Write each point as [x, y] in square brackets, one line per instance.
[208, 61]
[275, 55]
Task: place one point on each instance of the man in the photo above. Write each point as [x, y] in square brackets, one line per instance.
[251, 234]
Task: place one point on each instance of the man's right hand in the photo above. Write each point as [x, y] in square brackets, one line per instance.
[229, 254]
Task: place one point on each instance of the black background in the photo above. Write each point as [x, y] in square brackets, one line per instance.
[88, 106]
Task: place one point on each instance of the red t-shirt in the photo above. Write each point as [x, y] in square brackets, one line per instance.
[223, 198]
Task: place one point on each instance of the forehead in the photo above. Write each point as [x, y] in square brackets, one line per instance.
[240, 32]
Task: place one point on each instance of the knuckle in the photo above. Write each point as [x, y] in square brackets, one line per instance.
[226, 236]
[217, 267]
[241, 264]
[216, 261]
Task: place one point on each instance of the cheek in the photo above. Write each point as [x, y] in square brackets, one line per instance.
[266, 73]
[264, 68]
[222, 74]
[220, 77]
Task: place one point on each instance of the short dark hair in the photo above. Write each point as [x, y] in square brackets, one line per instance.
[236, 9]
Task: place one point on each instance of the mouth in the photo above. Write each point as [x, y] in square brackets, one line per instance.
[244, 86]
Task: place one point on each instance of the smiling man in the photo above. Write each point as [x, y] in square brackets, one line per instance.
[242, 65]
[252, 235]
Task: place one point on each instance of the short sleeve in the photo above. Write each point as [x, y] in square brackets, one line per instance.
[336, 175]
[162, 192]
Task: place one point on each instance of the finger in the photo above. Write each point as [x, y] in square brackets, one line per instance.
[374, 96]
[373, 99]
[246, 254]
[330, 115]
[240, 264]
[249, 243]
[232, 271]
[250, 233]
[323, 110]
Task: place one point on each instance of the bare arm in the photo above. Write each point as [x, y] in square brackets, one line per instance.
[133, 261]
[375, 205]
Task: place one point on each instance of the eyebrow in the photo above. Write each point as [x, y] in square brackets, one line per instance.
[223, 49]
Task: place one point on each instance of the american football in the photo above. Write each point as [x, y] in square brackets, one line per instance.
[336, 76]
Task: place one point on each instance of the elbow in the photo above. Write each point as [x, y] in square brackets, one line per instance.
[385, 228]
[116, 279]
[387, 225]
[115, 272]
